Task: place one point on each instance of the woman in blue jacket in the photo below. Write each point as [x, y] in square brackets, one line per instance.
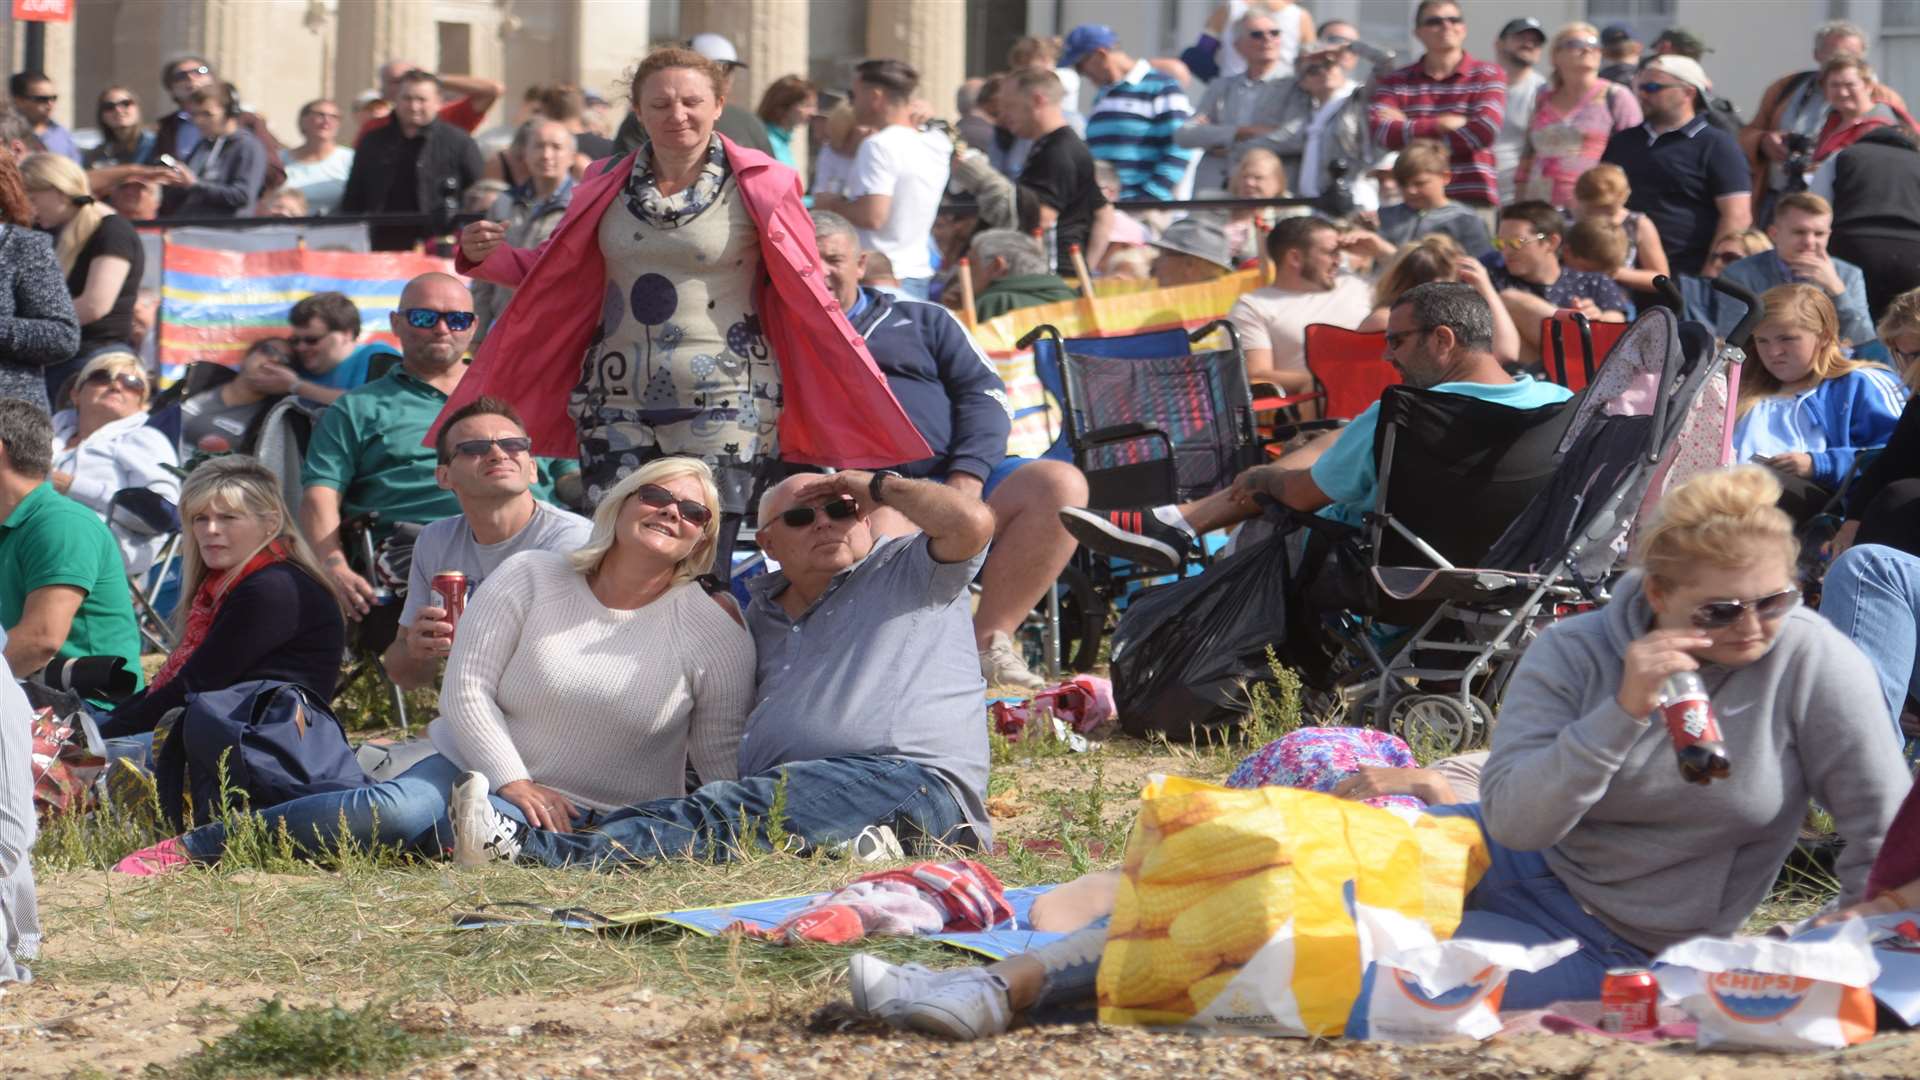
[1805, 409]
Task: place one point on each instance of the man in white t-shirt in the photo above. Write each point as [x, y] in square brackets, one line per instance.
[899, 174]
[1307, 288]
[486, 460]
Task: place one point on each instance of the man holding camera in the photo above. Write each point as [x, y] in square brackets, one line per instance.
[63, 586]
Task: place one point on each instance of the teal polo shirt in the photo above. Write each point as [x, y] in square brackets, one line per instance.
[51, 540]
[371, 447]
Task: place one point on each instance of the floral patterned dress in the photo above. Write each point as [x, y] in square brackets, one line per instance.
[679, 365]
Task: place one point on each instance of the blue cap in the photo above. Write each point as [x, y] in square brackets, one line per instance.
[1085, 40]
[1615, 34]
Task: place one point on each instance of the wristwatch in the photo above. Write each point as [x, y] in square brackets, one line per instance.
[873, 485]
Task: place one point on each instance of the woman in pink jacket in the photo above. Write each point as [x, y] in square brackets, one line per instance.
[678, 309]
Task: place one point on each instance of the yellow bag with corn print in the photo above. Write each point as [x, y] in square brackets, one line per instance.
[1231, 914]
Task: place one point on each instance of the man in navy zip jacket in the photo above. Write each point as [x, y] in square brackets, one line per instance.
[954, 396]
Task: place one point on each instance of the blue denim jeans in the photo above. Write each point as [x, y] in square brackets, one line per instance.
[1872, 594]
[1519, 900]
[408, 812]
[826, 802]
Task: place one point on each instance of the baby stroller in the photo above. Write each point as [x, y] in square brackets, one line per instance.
[1657, 412]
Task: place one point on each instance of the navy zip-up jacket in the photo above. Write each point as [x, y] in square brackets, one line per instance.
[948, 387]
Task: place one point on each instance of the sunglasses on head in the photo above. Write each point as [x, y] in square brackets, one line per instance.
[656, 496]
[802, 516]
[421, 318]
[126, 380]
[1719, 614]
[512, 446]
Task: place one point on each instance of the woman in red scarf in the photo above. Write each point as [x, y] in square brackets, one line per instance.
[1853, 110]
[253, 602]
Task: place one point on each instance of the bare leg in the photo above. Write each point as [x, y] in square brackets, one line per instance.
[1029, 545]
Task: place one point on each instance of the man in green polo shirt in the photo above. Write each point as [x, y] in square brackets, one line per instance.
[370, 452]
[63, 586]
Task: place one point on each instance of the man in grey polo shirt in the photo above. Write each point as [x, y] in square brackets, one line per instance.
[868, 705]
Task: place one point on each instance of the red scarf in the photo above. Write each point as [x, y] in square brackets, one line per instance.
[206, 605]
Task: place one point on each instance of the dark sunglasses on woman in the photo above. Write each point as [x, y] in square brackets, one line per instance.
[656, 496]
[802, 516]
[128, 381]
[1719, 614]
[421, 318]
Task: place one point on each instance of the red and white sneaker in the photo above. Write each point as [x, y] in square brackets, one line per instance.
[1135, 535]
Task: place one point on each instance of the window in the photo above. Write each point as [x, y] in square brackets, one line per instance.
[1646, 18]
[456, 48]
[1900, 15]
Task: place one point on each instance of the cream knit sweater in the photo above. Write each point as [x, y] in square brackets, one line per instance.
[546, 683]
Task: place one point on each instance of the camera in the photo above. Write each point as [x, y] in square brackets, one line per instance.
[1799, 159]
[97, 678]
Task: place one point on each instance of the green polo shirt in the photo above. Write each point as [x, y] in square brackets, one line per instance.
[51, 540]
[371, 447]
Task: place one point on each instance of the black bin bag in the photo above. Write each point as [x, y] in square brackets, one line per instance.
[1184, 653]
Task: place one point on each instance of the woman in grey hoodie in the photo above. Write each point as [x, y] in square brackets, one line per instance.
[1594, 833]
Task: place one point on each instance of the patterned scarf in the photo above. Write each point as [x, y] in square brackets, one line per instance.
[206, 604]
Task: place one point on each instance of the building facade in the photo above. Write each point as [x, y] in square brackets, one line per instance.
[282, 53]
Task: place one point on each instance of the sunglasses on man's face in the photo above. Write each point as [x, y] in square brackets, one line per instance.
[187, 72]
[1432, 22]
[308, 340]
[1719, 614]
[125, 380]
[801, 517]
[1651, 88]
[655, 496]
[1262, 35]
[421, 318]
[512, 446]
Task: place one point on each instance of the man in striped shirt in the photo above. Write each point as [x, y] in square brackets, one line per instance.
[1449, 96]
[1135, 116]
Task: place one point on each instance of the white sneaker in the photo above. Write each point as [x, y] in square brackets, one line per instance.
[876, 843]
[963, 1004]
[1002, 665]
[481, 834]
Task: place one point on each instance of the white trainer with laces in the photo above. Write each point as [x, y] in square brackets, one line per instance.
[481, 834]
[962, 1004]
[1002, 665]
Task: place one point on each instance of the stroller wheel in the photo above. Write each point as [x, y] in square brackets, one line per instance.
[1437, 724]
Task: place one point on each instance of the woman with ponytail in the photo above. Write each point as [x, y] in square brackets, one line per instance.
[97, 250]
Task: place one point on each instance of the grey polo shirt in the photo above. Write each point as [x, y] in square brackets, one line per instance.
[884, 663]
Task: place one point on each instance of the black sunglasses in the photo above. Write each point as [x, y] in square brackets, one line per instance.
[303, 339]
[181, 73]
[131, 383]
[121, 103]
[1432, 21]
[421, 318]
[802, 516]
[512, 446]
[1262, 35]
[42, 99]
[1651, 88]
[656, 496]
[1719, 614]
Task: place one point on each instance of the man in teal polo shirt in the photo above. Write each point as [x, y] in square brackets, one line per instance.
[369, 451]
[63, 586]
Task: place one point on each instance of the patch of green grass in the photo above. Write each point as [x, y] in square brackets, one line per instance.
[282, 1040]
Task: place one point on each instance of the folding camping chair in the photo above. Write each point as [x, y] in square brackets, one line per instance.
[1575, 347]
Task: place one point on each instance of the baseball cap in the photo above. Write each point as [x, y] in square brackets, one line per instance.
[715, 48]
[1615, 34]
[1528, 24]
[1686, 69]
[1085, 40]
[1200, 238]
[1684, 41]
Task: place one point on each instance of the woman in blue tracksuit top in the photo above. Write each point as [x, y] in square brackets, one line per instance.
[1805, 409]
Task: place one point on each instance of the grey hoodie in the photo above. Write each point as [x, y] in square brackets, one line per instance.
[1655, 858]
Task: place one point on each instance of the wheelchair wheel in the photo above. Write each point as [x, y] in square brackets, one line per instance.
[1436, 722]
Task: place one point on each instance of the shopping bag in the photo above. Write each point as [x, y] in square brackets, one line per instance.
[1232, 916]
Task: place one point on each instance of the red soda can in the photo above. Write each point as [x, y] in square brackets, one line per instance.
[448, 592]
[1629, 1000]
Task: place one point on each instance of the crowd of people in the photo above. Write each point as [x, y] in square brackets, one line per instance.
[713, 317]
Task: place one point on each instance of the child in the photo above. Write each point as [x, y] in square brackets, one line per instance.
[1597, 246]
[1422, 170]
[1601, 192]
[1805, 409]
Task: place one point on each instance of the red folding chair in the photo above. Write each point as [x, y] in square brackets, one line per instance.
[1572, 346]
[1349, 369]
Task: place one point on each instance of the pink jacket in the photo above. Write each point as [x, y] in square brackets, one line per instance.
[836, 409]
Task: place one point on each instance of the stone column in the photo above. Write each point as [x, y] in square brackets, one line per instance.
[603, 46]
[929, 34]
[771, 36]
[372, 32]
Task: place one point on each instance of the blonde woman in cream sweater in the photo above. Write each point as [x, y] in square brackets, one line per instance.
[578, 683]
